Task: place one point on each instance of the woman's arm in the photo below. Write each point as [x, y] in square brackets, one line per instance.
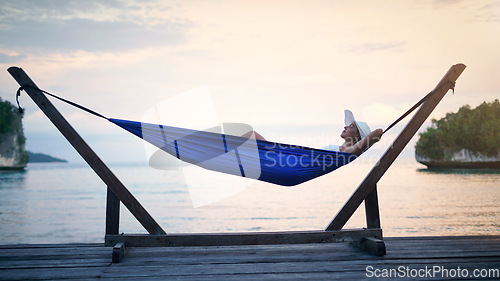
[358, 148]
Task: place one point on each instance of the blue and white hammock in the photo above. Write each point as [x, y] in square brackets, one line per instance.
[277, 163]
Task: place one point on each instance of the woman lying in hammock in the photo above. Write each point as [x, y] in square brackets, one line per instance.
[356, 134]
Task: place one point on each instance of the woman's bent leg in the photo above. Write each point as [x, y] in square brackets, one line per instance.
[253, 135]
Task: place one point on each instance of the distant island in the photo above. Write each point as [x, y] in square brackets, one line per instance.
[469, 138]
[13, 155]
[42, 158]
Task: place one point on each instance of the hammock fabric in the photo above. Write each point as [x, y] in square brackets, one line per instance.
[277, 163]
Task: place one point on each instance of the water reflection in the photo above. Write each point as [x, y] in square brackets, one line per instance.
[12, 179]
[461, 171]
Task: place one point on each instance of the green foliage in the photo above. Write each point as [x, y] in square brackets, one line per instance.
[9, 123]
[477, 130]
[21, 139]
[7, 111]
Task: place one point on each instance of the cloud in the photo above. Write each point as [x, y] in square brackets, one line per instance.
[488, 13]
[88, 35]
[88, 26]
[27, 8]
[8, 57]
[144, 12]
[445, 3]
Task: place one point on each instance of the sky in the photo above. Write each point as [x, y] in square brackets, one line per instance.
[287, 68]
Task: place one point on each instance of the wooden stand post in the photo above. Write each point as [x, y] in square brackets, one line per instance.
[112, 213]
[369, 183]
[113, 183]
[371, 209]
[373, 245]
[367, 190]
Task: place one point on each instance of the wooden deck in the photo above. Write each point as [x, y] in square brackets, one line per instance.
[328, 261]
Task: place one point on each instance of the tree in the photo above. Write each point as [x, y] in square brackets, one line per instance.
[477, 130]
[7, 111]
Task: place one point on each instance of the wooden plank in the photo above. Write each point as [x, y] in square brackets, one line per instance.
[236, 269]
[246, 253]
[438, 241]
[68, 245]
[145, 257]
[318, 252]
[338, 255]
[57, 252]
[86, 152]
[73, 273]
[395, 149]
[247, 238]
[266, 270]
[452, 239]
[55, 263]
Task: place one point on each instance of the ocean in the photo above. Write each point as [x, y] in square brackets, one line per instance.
[65, 202]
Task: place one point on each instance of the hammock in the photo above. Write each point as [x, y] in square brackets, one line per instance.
[277, 163]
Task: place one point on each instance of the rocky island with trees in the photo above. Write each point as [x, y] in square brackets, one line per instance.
[12, 141]
[13, 154]
[469, 138]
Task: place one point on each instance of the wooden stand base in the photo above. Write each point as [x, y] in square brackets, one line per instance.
[369, 240]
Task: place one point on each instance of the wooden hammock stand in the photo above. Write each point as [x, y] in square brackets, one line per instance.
[369, 239]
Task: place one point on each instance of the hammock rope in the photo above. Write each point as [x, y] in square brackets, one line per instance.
[420, 102]
[18, 94]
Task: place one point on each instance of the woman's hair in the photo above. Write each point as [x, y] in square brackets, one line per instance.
[358, 138]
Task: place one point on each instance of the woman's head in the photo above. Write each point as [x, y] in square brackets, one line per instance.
[351, 132]
[354, 130]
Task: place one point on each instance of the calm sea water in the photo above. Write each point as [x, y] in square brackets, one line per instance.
[64, 203]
